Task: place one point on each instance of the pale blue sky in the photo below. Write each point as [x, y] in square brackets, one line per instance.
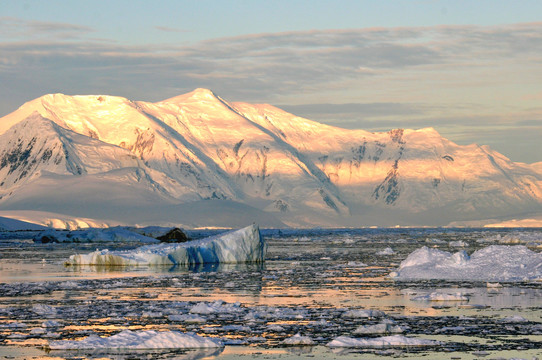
[471, 69]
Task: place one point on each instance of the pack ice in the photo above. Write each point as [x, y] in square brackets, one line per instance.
[244, 245]
[493, 263]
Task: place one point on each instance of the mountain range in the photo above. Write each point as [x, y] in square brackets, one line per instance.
[198, 160]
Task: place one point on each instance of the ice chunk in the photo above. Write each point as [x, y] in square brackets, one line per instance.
[439, 296]
[493, 263]
[393, 340]
[151, 339]
[363, 313]
[244, 245]
[298, 340]
[386, 251]
[382, 328]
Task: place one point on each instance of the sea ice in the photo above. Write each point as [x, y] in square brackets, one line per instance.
[150, 339]
[244, 245]
[393, 340]
[493, 263]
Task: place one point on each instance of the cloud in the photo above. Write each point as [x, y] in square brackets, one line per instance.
[449, 77]
[14, 28]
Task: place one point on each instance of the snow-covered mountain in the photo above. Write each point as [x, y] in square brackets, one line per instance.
[199, 160]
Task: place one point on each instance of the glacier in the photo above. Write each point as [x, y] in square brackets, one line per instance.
[245, 245]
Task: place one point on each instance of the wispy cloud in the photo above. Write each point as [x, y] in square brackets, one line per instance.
[16, 28]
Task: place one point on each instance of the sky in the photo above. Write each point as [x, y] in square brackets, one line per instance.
[470, 69]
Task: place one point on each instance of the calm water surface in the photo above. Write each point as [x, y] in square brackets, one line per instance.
[310, 280]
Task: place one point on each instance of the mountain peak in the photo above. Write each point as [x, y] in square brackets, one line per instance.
[199, 94]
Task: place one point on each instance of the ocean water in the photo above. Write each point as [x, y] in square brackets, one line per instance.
[318, 283]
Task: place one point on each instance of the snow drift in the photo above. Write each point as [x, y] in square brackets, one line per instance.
[493, 263]
[244, 245]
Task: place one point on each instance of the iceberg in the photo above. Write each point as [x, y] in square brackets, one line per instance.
[241, 246]
[493, 263]
[150, 339]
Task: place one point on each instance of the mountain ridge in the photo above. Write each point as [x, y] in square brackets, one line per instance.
[197, 147]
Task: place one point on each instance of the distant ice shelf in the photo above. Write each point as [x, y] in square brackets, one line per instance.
[241, 246]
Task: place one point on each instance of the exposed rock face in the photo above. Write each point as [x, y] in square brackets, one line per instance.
[175, 235]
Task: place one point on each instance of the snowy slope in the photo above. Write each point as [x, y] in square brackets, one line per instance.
[84, 154]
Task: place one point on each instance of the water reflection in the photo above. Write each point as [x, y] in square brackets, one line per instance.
[157, 269]
[123, 354]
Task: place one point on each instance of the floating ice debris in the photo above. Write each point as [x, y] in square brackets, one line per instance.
[363, 313]
[188, 318]
[493, 263]
[393, 340]
[356, 264]
[275, 328]
[438, 296]
[382, 328]
[458, 243]
[386, 251]
[218, 306]
[50, 324]
[244, 245]
[514, 319]
[151, 339]
[298, 340]
[44, 310]
[38, 331]
[495, 285]
[13, 325]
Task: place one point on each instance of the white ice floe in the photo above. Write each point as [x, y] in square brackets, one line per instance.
[363, 313]
[151, 339]
[514, 319]
[493, 263]
[50, 324]
[386, 251]
[216, 307]
[382, 328]
[188, 318]
[356, 264]
[393, 340]
[244, 245]
[458, 243]
[298, 340]
[439, 296]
